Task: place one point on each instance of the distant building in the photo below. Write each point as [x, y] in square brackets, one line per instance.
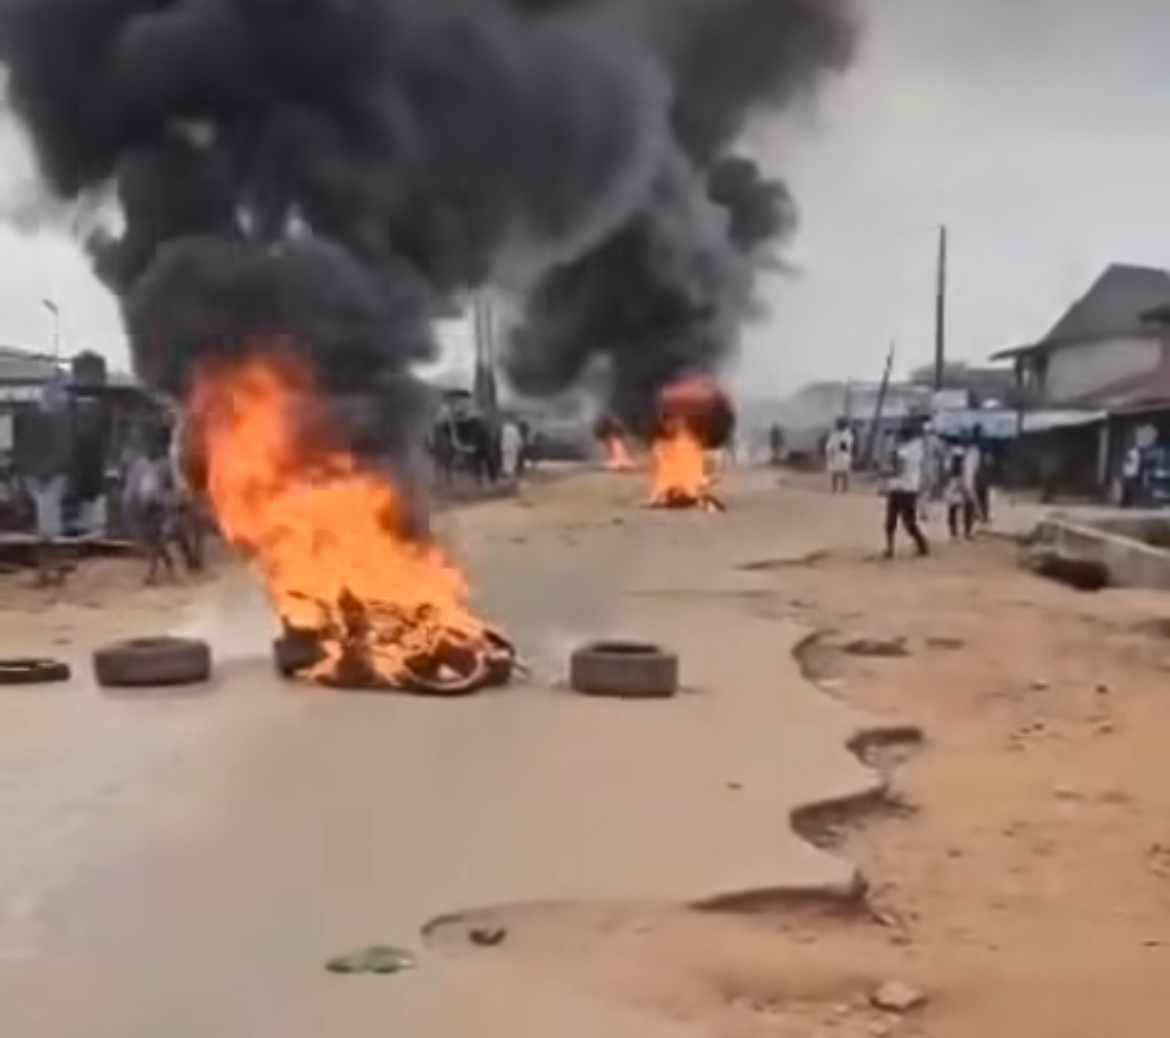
[23, 377]
[1110, 349]
[977, 385]
[818, 405]
[23, 373]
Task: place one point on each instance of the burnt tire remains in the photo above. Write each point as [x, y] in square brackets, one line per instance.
[33, 670]
[152, 663]
[629, 670]
[294, 651]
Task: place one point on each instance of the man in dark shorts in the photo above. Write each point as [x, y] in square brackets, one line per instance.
[903, 489]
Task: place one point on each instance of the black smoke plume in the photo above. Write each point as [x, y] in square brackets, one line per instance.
[337, 171]
[328, 170]
[666, 295]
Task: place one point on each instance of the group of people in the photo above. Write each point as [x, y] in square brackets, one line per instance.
[67, 482]
[920, 468]
[463, 444]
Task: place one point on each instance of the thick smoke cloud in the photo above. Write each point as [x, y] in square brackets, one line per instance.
[337, 171]
[666, 296]
[327, 169]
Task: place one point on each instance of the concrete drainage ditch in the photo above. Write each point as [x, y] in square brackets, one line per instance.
[1117, 551]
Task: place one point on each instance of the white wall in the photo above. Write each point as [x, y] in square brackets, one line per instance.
[1077, 370]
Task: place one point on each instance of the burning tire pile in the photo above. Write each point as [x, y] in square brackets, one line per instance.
[366, 601]
[695, 416]
[446, 662]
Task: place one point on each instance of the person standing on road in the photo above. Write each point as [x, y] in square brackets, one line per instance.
[148, 501]
[1131, 476]
[775, 445]
[511, 449]
[977, 475]
[903, 490]
[959, 493]
[839, 457]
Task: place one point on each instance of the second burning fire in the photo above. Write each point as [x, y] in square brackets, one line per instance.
[694, 417]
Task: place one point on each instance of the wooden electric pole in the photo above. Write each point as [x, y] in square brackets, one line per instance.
[879, 407]
[940, 312]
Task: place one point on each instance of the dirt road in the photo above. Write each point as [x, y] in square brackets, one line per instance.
[1018, 870]
[186, 866]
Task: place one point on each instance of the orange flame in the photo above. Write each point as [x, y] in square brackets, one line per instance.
[386, 609]
[618, 457]
[686, 412]
[680, 466]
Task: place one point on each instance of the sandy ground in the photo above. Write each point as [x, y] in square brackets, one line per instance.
[1019, 871]
[159, 863]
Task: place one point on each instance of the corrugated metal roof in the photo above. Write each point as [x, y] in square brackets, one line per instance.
[1116, 304]
[17, 365]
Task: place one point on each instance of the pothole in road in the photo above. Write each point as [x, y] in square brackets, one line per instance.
[809, 965]
[757, 964]
[828, 826]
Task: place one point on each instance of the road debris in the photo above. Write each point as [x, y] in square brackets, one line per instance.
[879, 648]
[377, 958]
[626, 669]
[152, 662]
[896, 996]
[33, 670]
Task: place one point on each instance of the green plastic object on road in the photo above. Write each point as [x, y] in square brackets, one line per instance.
[377, 958]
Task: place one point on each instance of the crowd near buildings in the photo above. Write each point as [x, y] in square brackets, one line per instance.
[1081, 413]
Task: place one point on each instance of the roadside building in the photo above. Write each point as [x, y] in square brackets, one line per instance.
[1107, 357]
[1103, 347]
[106, 411]
[23, 376]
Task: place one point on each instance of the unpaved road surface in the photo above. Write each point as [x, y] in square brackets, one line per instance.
[184, 867]
[1019, 870]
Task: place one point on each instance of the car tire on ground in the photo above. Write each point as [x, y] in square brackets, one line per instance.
[629, 670]
[152, 662]
[295, 651]
[33, 670]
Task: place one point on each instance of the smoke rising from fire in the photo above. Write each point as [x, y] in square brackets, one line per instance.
[666, 296]
[334, 172]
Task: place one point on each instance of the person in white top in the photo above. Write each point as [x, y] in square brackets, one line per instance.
[511, 448]
[839, 450]
[961, 488]
[1131, 476]
[903, 490]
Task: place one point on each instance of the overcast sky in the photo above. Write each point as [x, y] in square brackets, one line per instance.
[1038, 130]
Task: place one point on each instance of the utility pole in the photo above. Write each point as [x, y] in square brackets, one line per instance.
[484, 379]
[879, 406]
[940, 311]
[54, 310]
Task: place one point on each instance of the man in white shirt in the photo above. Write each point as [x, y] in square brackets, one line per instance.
[511, 449]
[839, 457]
[903, 490]
[1131, 476]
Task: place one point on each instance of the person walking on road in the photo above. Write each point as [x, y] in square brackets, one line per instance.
[960, 492]
[839, 450]
[903, 490]
[511, 449]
